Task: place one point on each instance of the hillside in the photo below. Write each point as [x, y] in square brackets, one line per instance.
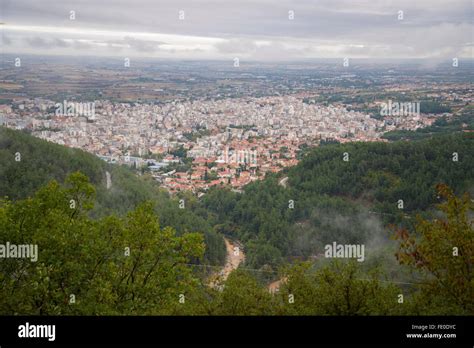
[42, 161]
[328, 199]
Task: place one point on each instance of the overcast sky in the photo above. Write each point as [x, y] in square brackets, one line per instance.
[253, 30]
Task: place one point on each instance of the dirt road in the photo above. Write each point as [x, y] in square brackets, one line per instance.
[275, 286]
[234, 257]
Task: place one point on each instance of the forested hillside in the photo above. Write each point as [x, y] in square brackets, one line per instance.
[329, 199]
[40, 161]
[132, 265]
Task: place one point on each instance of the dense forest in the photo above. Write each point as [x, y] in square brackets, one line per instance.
[130, 249]
[134, 265]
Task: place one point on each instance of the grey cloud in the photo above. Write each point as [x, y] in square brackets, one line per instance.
[430, 28]
[237, 46]
[37, 42]
[257, 17]
[142, 45]
[53, 43]
[5, 40]
[60, 43]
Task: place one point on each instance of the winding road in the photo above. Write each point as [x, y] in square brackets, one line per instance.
[234, 257]
[283, 181]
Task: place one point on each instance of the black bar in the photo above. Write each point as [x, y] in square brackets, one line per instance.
[241, 330]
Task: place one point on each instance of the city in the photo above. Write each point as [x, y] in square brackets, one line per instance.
[195, 143]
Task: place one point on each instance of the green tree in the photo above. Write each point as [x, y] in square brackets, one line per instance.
[443, 249]
[115, 265]
[242, 295]
[337, 289]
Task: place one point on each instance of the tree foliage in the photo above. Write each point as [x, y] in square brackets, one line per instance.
[443, 249]
[112, 265]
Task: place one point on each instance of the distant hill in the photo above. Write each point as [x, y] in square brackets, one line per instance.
[383, 173]
[42, 161]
